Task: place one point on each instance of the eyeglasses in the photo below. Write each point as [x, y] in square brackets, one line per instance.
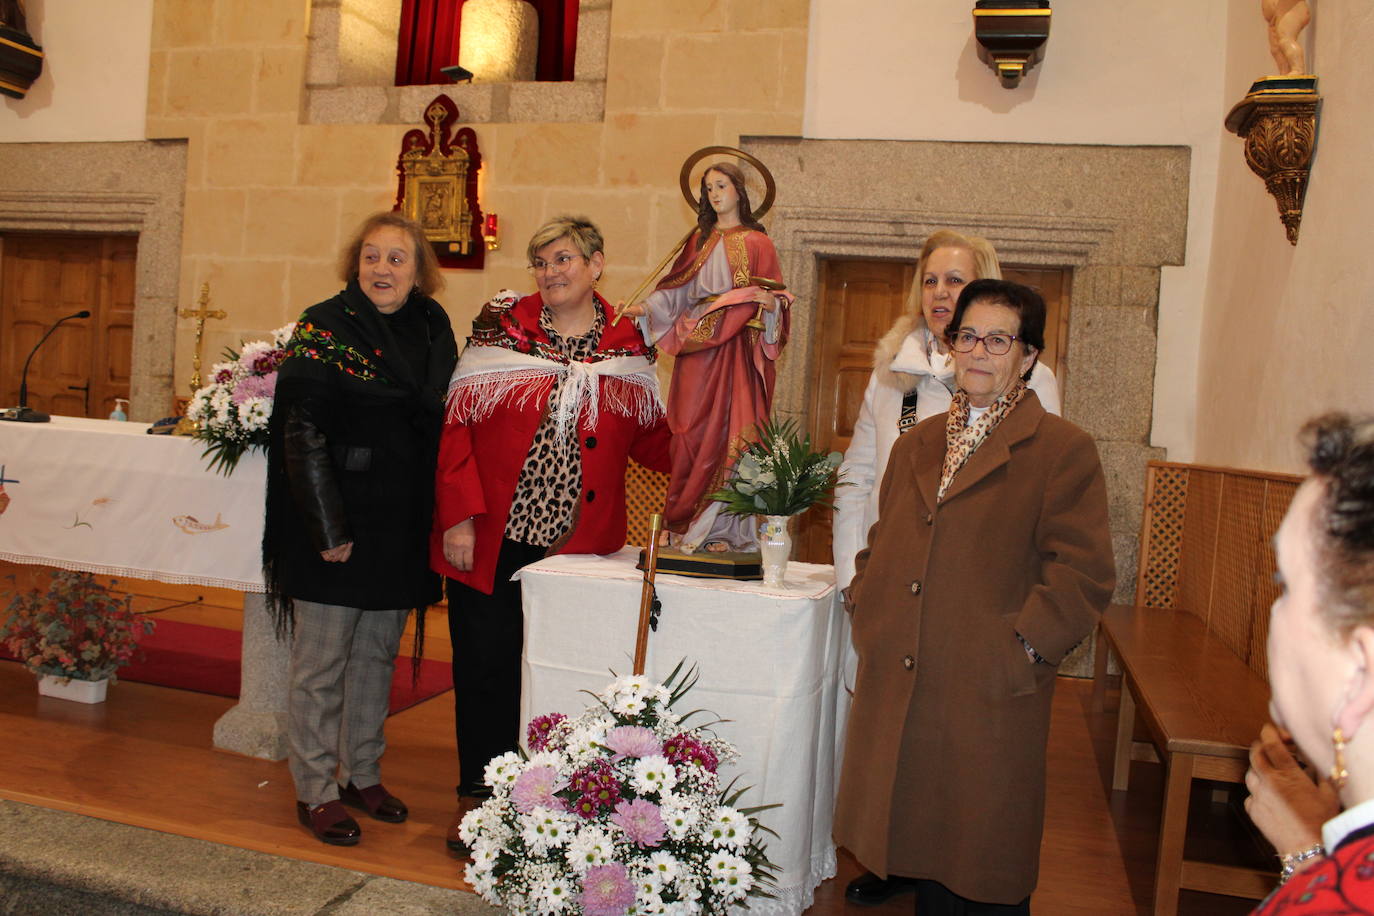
[559, 264]
[995, 344]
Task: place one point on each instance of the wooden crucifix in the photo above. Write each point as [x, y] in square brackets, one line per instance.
[201, 315]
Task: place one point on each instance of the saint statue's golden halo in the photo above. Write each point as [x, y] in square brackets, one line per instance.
[685, 176]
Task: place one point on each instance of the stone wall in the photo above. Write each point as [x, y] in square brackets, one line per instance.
[270, 198]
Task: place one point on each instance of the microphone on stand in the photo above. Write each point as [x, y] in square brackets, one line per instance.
[24, 413]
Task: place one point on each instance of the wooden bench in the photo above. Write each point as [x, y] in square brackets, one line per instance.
[1192, 649]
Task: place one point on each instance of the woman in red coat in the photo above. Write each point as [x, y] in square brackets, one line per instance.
[547, 404]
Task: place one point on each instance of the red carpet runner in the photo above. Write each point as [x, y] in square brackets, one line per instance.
[190, 656]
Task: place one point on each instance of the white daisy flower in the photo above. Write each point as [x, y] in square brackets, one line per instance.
[665, 865]
[502, 771]
[727, 827]
[653, 774]
[543, 830]
[591, 846]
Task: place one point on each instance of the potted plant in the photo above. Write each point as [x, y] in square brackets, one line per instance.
[778, 476]
[74, 636]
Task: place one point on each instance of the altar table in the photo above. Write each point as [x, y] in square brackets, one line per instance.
[102, 496]
[769, 661]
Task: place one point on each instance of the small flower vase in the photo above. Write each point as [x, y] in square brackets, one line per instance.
[78, 691]
[775, 547]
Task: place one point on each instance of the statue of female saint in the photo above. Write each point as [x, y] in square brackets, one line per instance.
[722, 312]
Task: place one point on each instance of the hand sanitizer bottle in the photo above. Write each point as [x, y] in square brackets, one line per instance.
[118, 413]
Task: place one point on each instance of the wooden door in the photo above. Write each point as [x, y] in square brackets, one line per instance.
[1053, 283]
[860, 299]
[86, 363]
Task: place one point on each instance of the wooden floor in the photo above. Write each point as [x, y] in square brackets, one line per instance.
[145, 758]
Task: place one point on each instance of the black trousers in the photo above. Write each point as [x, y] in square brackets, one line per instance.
[488, 634]
[934, 899]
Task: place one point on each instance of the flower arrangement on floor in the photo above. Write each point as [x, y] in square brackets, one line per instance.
[779, 474]
[76, 630]
[618, 812]
[231, 412]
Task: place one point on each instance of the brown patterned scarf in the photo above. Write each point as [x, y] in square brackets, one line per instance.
[962, 440]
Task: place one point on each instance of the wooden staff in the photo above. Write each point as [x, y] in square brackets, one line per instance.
[646, 595]
[634, 296]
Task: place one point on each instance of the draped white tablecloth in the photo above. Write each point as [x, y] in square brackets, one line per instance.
[104, 497]
[769, 660]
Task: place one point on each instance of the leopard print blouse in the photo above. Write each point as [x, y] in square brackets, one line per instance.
[545, 503]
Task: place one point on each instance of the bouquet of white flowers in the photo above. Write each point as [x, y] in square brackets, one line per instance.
[618, 811]
[779, 473]
[231, 412]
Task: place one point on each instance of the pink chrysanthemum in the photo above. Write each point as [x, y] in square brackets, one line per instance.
[641, 821]
[607, 891]
[535, 788]
[633, 741]
[254, 386]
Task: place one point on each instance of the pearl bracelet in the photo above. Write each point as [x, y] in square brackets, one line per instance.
[1292, 860]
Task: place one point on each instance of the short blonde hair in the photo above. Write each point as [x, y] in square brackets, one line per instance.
[579, 230]
[427, 275]
[985, 263]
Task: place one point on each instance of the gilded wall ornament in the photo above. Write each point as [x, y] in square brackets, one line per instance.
[438, 185]
[1278, 116]
[1278, 121]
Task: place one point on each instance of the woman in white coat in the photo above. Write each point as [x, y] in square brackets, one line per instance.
[913, 378]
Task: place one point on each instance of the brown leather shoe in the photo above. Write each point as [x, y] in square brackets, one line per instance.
[451, 838]
[330, 823]
[376, 801]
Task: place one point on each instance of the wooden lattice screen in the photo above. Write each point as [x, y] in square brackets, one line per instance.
[644, 494]
[1206, 547]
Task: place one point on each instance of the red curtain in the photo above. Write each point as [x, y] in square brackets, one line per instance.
[427, 40]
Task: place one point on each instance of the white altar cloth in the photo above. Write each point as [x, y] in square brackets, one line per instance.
[769, 660]
[104, 497]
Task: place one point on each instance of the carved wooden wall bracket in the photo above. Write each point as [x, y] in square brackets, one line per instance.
[1278, 121]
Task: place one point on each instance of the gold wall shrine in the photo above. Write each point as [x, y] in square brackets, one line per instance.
[437, 185]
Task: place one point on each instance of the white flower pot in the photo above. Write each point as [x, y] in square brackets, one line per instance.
[775, 548]
[72, 689]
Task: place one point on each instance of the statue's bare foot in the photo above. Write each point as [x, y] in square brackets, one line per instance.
[663, 538]
[717, 547]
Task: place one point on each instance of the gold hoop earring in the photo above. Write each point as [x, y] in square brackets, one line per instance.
[1339, 774]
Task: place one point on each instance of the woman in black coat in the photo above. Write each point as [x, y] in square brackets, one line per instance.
[354, 441]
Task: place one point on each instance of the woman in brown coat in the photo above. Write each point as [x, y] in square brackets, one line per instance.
[990, 561]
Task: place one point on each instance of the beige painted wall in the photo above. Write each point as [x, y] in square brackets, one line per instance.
[1132, 72]
[269, 201]
[91, 87]
[1289, 332]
